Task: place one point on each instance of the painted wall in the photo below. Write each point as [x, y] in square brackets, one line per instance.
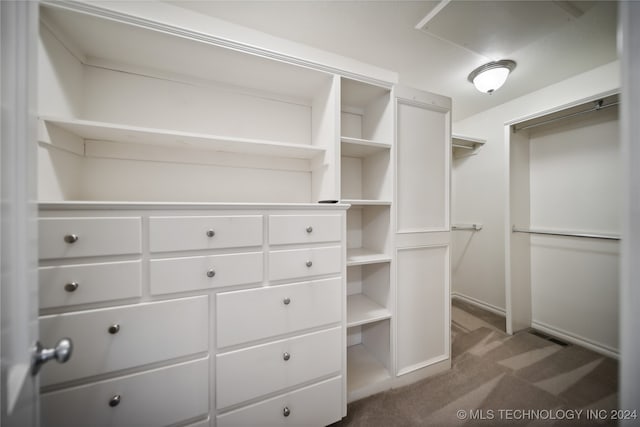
[479, 183]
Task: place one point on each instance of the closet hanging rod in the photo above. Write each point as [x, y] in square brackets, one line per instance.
[567, 234]
[598, 107]
[473, 227]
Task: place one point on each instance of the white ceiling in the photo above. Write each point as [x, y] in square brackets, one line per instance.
[550, 40]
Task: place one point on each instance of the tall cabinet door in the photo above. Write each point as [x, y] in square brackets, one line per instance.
[422, 232]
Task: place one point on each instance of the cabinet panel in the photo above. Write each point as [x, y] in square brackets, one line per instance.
[300, 263]
[303, 406]
[159, 397]
[117, 338]
[81, 237]
[422, 168]
[424, 299]
[204, 272]
[290, 229]
[210, 232]
[252, 372]
[79, 284]
[260, 313]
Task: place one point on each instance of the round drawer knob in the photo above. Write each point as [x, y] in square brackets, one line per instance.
[309, 229]
[114, 329]
[309, 263]
[114, 401]
[286, 301]
[211, 272]
[71, 287]
[286, 411]
[71, 238]
[286, 356]
[211, 233]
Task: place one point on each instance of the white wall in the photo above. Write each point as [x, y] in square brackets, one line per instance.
[479, 183]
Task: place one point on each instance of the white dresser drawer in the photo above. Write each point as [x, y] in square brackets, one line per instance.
[290, 229]
[153, 398]
[253, 314]
[204, 232]
[299, 263]
[86, 283]
[82, 237]
[316, 405]
[252, 372]
[146, 333]
[204, 272]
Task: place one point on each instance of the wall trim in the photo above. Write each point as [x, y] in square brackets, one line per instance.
[576, 339]
[479, 303]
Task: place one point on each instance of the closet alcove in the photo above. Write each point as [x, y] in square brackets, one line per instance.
[563, 223]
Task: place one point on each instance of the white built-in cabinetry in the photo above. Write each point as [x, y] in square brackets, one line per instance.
[209, 189]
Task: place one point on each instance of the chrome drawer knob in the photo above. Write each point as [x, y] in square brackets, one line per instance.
[71, 238]
[286, 356]
[114, 329]
[286, 301]
[114, 401]
[286, 411]
[309, 229]
[211, 233]
[309, 263]
[71, 287]
[211, 272]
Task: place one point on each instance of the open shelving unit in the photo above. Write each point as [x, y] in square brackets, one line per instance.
[366, 184]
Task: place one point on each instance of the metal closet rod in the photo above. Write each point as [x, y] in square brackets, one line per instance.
[567, 234]
[598, 107]
[474, 227]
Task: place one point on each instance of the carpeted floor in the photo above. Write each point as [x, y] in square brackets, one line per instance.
[496, 379]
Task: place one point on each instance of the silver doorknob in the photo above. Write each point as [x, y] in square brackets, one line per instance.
[286, 356]
[286, 411]
[114, 329]
[71, 287]
[309, 229]
[71, 238]
[211, 272]
[286, 301]
[61, 353]
[309, 263]
[211, 233]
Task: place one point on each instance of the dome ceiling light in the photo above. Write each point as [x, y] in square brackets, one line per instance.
[491, 76]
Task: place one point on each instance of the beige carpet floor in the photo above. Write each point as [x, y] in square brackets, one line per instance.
[497, 379]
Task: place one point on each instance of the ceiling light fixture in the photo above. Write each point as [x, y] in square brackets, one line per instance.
[491, 76]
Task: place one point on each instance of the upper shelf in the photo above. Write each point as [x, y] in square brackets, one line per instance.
[355, 147]
[466, 142]
[110, 132]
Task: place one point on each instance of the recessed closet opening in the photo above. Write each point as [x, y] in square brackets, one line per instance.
[146, 122]
[565, 203]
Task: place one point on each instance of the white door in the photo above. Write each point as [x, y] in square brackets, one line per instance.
[422, 237]
[18, 231]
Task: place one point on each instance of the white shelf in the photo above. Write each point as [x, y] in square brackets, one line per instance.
[361, 256]
[111, 132]
[466, 142]
[363, 202]
[364, 372]
[362, 310]
[355, 147]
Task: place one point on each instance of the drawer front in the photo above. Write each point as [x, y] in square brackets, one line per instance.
[290, 229]
[204, 232]
[253, 314]
[204, 272]
[65, 285]
[93, 237]
[152, 398]
[252, 372]
[147, 333]
[316, 405]
[304, 262]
